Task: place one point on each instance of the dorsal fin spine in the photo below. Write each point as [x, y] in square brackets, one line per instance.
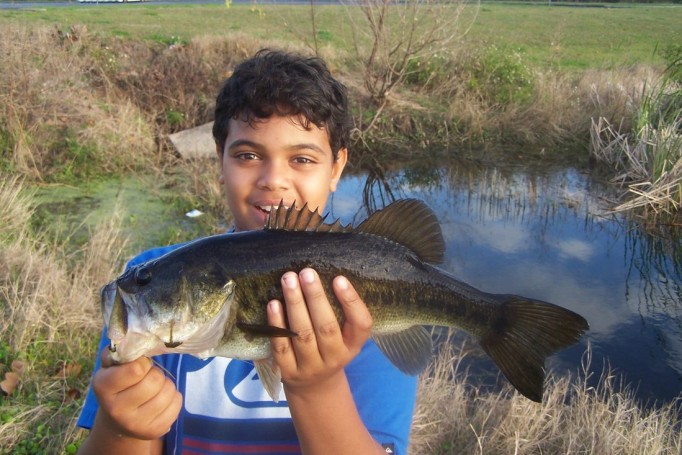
[290, 219]
[288, 212]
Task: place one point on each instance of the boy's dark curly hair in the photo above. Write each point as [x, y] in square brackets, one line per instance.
[279, 83]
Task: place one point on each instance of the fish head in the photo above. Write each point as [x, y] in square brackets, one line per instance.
[160, 307]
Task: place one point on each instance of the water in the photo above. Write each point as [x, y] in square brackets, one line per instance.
[547, 234]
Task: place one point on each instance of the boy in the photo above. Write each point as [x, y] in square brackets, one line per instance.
[281, 130]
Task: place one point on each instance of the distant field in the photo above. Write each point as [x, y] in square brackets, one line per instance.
[566, 38]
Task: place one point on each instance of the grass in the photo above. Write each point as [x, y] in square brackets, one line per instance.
[560, 37]
[48, 318]
[576, 416]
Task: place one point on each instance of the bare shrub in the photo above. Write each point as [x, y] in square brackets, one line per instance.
[393, 39]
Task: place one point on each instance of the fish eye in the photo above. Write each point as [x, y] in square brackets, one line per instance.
[143, 276]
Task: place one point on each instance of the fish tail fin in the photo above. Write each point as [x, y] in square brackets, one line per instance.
[524, 334]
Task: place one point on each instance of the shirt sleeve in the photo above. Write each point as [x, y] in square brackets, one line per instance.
[384, 396]
[87, 416]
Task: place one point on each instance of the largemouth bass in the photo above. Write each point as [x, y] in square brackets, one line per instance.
[208, 298]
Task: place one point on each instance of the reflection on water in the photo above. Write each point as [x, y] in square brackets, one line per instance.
[546, 234]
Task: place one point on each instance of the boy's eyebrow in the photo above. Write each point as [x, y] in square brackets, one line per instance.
[307, 146]
[240, 142]
[302, 146]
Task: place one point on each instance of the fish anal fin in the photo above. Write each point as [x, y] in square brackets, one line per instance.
[409, 350]
[525, 334]
[270, 376]
[301, 219]
[411, 223]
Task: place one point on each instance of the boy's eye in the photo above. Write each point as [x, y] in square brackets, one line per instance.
[303, 160]
[246, 156]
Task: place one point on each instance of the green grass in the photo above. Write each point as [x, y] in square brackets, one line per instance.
[579, 38]
[559, 37]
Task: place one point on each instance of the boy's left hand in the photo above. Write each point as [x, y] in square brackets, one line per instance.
[322, 348]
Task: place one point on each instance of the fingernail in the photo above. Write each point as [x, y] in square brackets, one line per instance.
[342, 283]
[290, 280]
[273, 306]
[307, 276]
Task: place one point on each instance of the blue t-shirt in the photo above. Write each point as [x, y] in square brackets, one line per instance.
[227, 411]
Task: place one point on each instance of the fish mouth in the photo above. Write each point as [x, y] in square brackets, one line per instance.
[143, 332]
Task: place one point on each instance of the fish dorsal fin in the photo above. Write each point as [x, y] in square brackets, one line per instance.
[303, 219]
[409, 350]
[411, 223]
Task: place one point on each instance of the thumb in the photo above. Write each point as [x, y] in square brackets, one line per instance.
[106, 359]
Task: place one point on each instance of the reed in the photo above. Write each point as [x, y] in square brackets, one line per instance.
[648, 155]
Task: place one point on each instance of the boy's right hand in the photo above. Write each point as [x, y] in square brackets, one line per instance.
[136, 400]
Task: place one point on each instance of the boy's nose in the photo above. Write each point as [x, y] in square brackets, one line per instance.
[274, 177]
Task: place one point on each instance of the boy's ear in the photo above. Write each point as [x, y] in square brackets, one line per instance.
[337, 168]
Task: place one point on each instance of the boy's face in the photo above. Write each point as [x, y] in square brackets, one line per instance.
[276, 159]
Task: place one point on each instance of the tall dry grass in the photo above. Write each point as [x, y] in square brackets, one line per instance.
[74, 104]
[576, 417]
[49, 321]
[52, 118]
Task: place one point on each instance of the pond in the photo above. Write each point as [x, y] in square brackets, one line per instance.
[547, 234]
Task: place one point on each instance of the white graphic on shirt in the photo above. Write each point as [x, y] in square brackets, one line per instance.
[210, 393]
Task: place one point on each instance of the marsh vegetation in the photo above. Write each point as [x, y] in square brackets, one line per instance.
[89, 94]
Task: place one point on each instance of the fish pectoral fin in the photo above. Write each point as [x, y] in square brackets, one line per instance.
[409, 350]
[525, 334]
[270, 376]
[264, 330]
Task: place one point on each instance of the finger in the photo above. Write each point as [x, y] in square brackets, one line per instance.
[117, 378]
[357, 326]
[105, 358]
[322, 316]
[297, 313]
[170, 414]
[145, 389]
[281, 346]
[162, 409]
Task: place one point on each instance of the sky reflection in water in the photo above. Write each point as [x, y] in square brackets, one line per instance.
[545, 235]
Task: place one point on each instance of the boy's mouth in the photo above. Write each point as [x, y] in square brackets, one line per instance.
[267, 208]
